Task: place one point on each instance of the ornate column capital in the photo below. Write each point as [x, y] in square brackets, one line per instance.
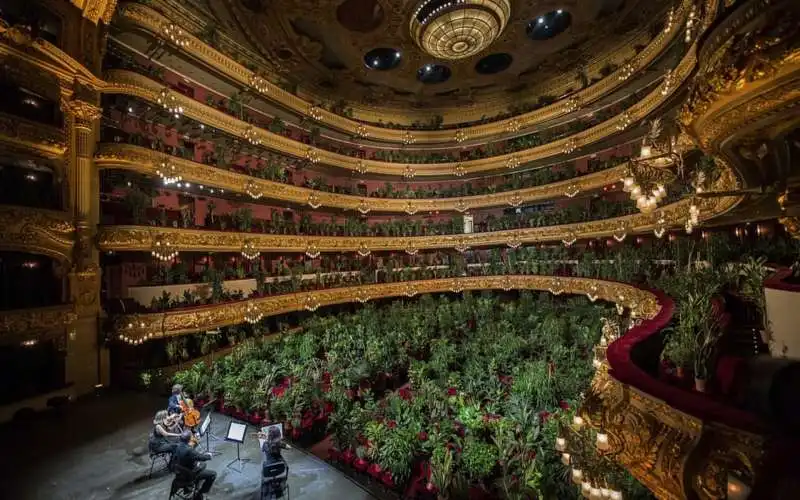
[82, 113]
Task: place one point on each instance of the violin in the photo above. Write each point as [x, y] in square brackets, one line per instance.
[191, 415]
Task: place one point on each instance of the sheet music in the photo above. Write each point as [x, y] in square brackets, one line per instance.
[236, 432]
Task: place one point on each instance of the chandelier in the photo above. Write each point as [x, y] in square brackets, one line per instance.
[312, 251]
[512, 162]
[507, 285]
[168, 173]
[410, 208]
[592, 293]
[361, 131]
[313, 201]
[249, 250]
[690, 24]
[569, 239]
[625, 121]
[572, 190]
[461, 246]
[363, 249]
[175, 35]
[169, 102]
[515, 200]
[163, 250]
[647, 175]
[455, 29]
[314, 112]
[620, 233]
[361, 168]
[252, 136]
[251, 188]
[661, 226]
[311, 303]
[513, 125]
[670, 20]
[556, 287]
[461, 136]
[312, 155]
[514, 242]
[408, 138]
[362, 295]
[461, 206]
[252, 313]
[411, 249]
[259, 83]
[459, 170]
[667, 82]
[457, 286]
[570, 146]
[363, 207]
[693, 219]
[409, 172]
[572, 104]
[411, 289]
[627, 70]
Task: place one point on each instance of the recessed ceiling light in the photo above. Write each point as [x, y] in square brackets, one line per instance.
[540, 20]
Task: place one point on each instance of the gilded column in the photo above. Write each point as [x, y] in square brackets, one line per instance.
[87, 359]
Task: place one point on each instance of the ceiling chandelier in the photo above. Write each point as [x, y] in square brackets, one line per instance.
[513, 125]
[163, 250]
[361, 168]
[649, 173]
[175, 35]
[252, 136]
[409, 172]
[251, 188]
[459, 170]
[168, 173]
[363, 207]
[259, 83]
[408, 138]
[455, 29]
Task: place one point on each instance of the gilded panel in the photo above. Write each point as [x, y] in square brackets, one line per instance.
[45, 232]
[26, 323]
[146, 161]
[136, 328]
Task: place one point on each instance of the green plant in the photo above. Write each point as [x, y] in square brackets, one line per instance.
[478, 459]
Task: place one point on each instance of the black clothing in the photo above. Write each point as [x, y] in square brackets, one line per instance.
[186, 457]
[161, 444]
[173, 405]
[271, 453]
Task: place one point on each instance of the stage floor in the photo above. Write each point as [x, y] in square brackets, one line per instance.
[98, 450]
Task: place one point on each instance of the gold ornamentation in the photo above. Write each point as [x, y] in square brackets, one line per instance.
[183, 321]
[34, 322]
[45, 232]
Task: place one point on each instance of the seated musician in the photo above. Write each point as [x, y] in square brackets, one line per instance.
[188, 467]
[174, 402]
[191, 416]
[271, 449]
[163, 438]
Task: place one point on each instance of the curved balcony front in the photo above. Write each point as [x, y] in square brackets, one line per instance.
[149, 20]
[146, 161]
[39, 231]
[131, 83]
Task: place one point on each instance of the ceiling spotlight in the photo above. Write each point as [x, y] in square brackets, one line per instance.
[540, 20]
[560, 11]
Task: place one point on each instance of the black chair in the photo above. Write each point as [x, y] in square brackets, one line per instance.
[275, 480]
[165, 456]
[184, 485]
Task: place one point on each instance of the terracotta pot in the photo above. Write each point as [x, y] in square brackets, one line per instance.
[680, 372]
[699, 384]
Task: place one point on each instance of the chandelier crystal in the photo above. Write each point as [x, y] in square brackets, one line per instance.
[249, 250]
[175, 35]
[456, 29]
[169, 173]
[252, 313]
[163, 250]
[169, 102]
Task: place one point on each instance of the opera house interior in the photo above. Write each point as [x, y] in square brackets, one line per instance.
[425, 249]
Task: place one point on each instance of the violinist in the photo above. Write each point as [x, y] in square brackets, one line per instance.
[164, 437]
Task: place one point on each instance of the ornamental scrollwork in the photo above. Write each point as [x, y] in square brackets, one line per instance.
[143, 160]
[27, 322]
[142, 327]
[44, 232]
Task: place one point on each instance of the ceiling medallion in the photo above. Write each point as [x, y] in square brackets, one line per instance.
[455, 29]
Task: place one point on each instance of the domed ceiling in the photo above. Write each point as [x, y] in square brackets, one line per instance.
[432, 53]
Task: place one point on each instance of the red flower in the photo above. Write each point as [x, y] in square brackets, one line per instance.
[360, 464]
[278, 391]
[404, 393]
[328, 407]
[563, 405]
[430, 487]
[451, 391]
[423, 436]
[374, 470]
[391, 424]
[347, 456]
[544, 415]
[387, 479]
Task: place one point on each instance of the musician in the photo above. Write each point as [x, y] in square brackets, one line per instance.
[271, 449]
[191, 416]
[187, 460]
[163, 438]
[174, 402]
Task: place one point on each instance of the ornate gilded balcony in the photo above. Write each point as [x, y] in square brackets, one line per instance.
[131, 83]
[146, 161]
[141, 327]
[35, 324]
[147, 19]
[24, 135]
[46, 232]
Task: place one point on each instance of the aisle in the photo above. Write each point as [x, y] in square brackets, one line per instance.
[97, 451]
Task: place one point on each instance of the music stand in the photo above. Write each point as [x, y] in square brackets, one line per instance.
[236, 433]
[205, 430]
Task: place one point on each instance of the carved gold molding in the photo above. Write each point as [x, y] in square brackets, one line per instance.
[46, 232]
[674, 454]
[96, 10]
[19, 133]
[142, 238]
[22, 324]
[146, 161]
[750, 70]
[141, 327]
[131, 83]
[148, 19]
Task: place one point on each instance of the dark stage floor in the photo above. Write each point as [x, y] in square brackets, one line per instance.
[97, 449]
